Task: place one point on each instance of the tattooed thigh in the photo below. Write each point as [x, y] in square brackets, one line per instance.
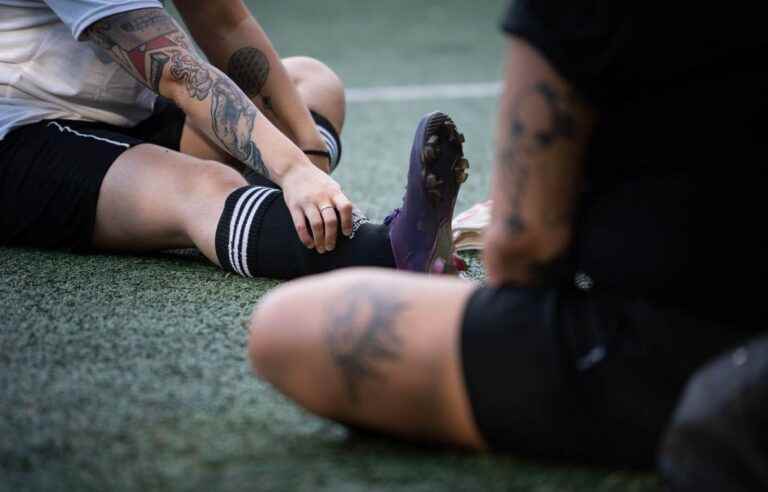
[362, 336]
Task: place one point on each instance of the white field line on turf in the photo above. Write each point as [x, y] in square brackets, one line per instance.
[414, 92]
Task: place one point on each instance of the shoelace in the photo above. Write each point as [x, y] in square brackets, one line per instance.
[389, 218]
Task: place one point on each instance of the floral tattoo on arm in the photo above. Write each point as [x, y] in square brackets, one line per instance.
[147, 42]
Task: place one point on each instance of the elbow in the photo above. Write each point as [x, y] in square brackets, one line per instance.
[184, 77]
[171, 88]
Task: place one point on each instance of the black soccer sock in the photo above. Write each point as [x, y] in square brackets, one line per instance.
[330, 137]
[239, 228]
[256, 237]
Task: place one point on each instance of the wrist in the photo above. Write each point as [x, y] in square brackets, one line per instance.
[293, 170]
[288, 166]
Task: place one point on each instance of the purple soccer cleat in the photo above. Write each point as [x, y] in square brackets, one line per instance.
[420, 231]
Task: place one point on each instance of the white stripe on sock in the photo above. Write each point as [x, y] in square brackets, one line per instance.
[327, 135]
[239, 227]
[247, 230]
[330, 143]
[233, 223]
[63, 129]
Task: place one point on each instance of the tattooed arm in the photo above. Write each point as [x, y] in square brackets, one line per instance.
[155, 50]
[543, 130]
[233, 41]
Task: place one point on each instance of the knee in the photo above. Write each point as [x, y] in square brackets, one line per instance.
[286, 343]
[320, 86]
[280, 325]
[304, 68]
[266, 350]
[210, 178]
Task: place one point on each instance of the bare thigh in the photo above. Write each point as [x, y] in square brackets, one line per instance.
[153, 198]
[371, 348]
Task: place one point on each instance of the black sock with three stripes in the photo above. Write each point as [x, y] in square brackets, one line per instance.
[256, 237]
[239, 228]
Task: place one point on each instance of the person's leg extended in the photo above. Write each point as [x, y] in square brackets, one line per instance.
[153, 198]
[417, 236]
[376, 349]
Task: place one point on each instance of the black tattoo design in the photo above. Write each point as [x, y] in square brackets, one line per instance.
[248, 67]
[540, 118]
[157, 63]
[197, 79]
[151, 19]
[145, 41]
[233, 118]
[362, 335]
[133, 37]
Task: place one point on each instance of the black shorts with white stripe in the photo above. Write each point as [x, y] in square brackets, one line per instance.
[50, 176]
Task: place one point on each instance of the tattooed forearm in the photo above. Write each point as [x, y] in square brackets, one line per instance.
[248, 67]
[233, 118]
[542, 118]
[146, 41]
[197, 78]
[362, 335]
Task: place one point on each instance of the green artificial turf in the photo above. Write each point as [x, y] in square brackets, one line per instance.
[130, 373]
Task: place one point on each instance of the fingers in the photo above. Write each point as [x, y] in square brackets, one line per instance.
[316, 224]
[345, 207]
[300, 222]
[331, 226]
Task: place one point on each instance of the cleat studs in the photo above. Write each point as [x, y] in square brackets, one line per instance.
[432, 182]
[460, 170]
[434, 196]
[428, 154]
[452, 132]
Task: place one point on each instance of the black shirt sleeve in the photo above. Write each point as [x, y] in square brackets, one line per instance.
[579, 38]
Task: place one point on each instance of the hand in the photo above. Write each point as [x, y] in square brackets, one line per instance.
[313, 196]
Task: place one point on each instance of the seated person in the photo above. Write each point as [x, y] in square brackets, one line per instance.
[92, 159]
[619, 256]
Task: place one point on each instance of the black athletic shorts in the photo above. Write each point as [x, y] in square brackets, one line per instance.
[578, 375]
[51, 173]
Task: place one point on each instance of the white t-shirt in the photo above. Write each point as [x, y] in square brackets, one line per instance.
[46, 73]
